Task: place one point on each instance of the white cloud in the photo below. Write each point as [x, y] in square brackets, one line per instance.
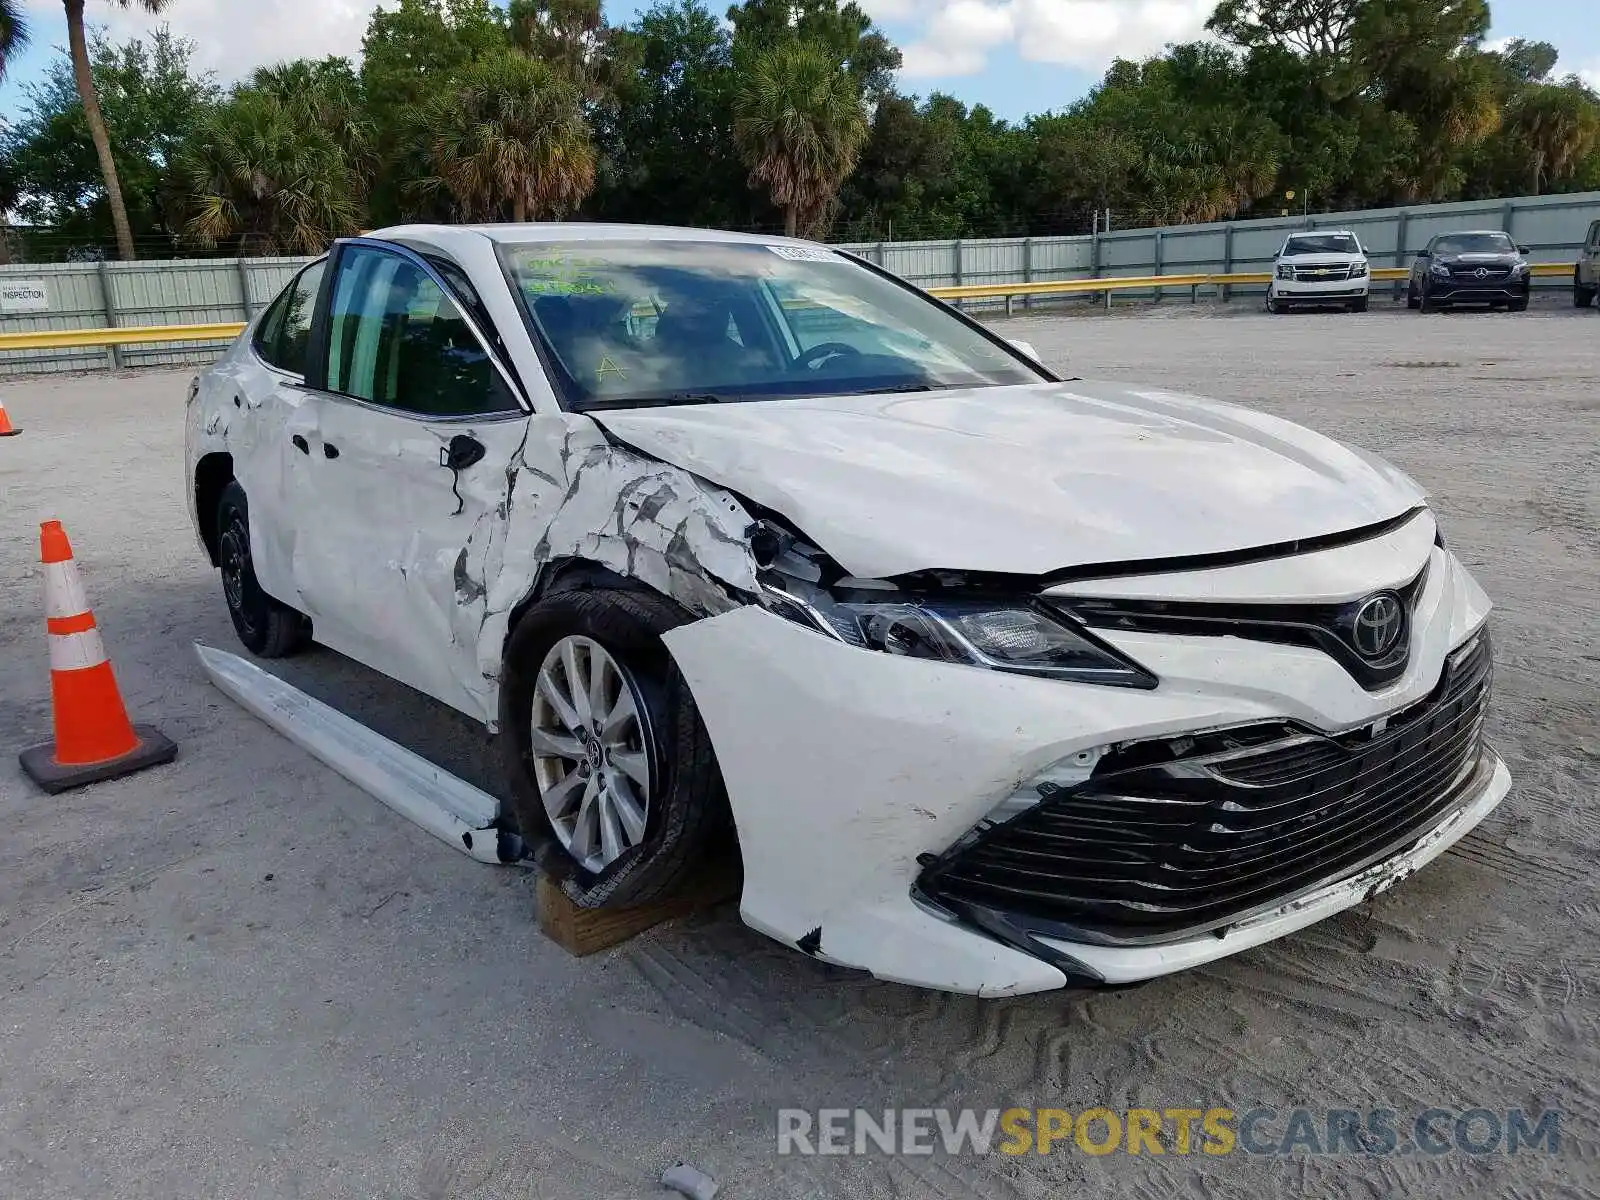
[1590, 74]
[957, 36]
[234, 37]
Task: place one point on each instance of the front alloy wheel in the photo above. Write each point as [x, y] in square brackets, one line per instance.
[590, 752]
[608, 763]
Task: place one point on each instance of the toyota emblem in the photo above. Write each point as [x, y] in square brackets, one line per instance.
[1379, 624]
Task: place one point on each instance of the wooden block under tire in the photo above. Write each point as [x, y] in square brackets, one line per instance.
[583, 931]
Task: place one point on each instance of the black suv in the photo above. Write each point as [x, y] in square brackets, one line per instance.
[1470, 268]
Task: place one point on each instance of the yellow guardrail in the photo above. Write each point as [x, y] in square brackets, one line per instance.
[145, 335]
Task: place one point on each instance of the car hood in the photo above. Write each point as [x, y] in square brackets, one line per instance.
[1322, 259]
[1480, 260]
[1027, 479]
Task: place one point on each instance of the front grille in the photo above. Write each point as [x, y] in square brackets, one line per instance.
[1322, 274]
[1490, 274]
[1168, 838]
[1328, 627]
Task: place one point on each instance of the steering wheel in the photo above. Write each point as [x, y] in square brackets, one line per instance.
[822, 351]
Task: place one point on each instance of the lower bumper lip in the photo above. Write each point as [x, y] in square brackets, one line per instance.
[1114, 965]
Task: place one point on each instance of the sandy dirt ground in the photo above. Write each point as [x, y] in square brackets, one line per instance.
[237, 976]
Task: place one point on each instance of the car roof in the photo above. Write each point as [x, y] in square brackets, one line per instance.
[1321, 233]
[572, 231]
[1472, 233]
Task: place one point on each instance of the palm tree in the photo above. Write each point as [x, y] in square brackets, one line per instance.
[13, 32]
[508, 132]
[264, 170]
[800, 125]
[1555, 126]
[78, 46]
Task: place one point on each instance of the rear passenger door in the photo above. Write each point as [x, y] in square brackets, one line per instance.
[383, 535]
[270, 389]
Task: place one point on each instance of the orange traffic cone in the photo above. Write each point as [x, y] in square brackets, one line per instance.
[5, 423]
[94, 739]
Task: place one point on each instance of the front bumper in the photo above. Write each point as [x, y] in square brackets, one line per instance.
[849, 771]
[1304, 291]
[1471, 291]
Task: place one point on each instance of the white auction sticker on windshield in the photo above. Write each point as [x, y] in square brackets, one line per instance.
[804, 253]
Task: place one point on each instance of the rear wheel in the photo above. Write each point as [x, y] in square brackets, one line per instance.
[608, 762]
[1582, 297]
[268, 628]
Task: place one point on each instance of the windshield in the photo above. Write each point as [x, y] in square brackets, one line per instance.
[1323, 243]
[1474, 243]
[664, 322]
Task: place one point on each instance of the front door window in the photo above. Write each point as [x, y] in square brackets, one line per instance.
[397, 339]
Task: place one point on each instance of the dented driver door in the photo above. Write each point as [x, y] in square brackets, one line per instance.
[415, 432]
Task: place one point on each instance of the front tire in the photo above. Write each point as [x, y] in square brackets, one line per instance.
[1412, 300]
[1520, 305]
[1359, 305]
[1426, 303]
[1274, 306]
[608, 763]
[268, 628]
[1582, 297]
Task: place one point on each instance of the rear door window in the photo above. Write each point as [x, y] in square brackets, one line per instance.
[284, 335]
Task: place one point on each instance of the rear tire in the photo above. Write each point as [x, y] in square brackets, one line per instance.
[685, 806]
[268, 628]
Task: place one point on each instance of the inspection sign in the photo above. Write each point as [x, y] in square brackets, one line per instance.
[24, 295]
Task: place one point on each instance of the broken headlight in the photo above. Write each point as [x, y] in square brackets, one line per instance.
[1002, 635]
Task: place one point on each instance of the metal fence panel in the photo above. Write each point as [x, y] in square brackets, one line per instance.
[96, 295]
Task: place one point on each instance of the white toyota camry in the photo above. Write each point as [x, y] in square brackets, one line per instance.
[1002, 681]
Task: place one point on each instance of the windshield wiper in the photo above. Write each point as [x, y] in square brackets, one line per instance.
[888, 391]
[662, 401]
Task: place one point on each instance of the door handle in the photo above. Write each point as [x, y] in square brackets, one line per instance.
[329, 450]
[300, 444]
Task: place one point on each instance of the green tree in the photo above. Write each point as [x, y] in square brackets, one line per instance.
[150, 98]
[573, 37]
[509, 133]
[269, 171]
[1550, 129]
[799, 123]
[409, 54]
[1313, 28]
[668, 151]
[78, 47]
[13, 33]
[844, 31]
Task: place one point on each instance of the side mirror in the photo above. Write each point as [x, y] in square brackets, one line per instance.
[464, 451]
[1424, 253]
[1523, 250]
[1026, 348]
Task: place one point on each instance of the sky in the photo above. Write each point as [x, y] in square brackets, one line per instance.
[1015, 56]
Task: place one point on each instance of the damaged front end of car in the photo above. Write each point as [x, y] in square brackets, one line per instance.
[953, 781]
